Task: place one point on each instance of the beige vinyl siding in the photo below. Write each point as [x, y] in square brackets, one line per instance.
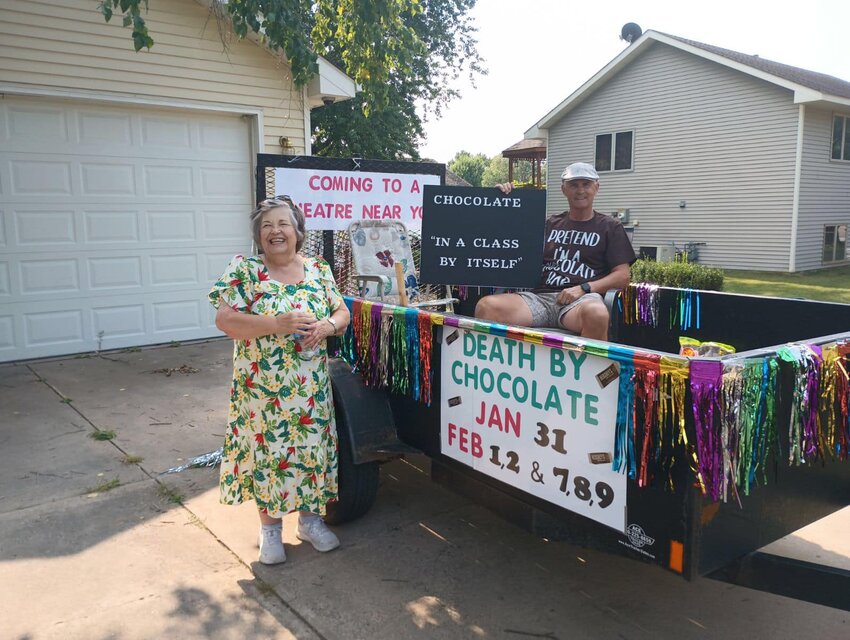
[718, 139]
[66, 44]
[824, 188]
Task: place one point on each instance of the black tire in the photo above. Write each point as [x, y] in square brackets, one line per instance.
[358, 484]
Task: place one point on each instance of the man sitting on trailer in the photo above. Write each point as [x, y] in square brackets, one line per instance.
[585, 254]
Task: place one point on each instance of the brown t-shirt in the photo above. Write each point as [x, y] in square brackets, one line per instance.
[576, 252]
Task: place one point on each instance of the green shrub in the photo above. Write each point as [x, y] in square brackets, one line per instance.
[683, 275]
[530, 184]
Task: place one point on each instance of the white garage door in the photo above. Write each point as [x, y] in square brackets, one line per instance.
[114, 221]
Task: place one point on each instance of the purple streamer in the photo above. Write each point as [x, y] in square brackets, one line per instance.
[706, 377]
[810, 416]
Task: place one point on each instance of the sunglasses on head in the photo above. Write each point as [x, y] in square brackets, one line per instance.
[275, 202]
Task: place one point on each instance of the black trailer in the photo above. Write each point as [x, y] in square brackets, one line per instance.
[671, 522]
[670, 518]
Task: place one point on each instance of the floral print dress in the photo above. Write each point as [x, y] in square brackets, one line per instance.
[280, 447]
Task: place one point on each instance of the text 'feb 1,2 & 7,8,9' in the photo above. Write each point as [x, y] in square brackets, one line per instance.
[541, 419]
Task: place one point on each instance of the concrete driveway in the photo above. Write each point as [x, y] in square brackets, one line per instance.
[95, 543]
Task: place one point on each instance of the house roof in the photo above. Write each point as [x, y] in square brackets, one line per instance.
[811, 79]
[454, 180]
[807, 86]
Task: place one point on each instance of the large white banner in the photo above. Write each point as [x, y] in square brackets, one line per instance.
[540, 419]
[331, 200]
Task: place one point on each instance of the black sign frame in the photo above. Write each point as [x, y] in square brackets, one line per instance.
[482, 237]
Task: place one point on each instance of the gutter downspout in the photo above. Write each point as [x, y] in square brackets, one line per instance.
[795, 205]
[308, 125]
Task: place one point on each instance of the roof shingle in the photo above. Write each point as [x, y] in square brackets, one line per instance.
[810, 79]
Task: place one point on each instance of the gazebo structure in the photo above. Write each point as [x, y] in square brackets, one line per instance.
[533, 150]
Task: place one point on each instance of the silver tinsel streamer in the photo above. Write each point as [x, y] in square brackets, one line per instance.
[211, 459]
[732, 392]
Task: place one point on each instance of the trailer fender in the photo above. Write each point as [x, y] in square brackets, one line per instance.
[364, 418]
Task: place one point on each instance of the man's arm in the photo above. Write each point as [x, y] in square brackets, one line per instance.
[618, 278]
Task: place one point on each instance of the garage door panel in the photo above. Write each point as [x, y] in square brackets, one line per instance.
[171, 318]
[227, 140]
[61, 280]
[174, 133]
[216, 263]
[224, 226]
[45, 276]
[131, 181]
[54, 328]
[172, 225]
[115, 322]
[168, 270]
[45, 328]
[224, 183]
[107, 179]
[109, 131]
[210, 318]
[106, 275]
[40, 178]
[168, 181]
[5, 283]
[8, 343]
[97, 127]
[40, 228]
[37, 123]
[124, 321]
[111, 226]
[114, 222]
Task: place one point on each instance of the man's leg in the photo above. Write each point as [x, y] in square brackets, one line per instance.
[504, 308]
[589, 319]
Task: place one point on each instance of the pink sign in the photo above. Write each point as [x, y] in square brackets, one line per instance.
[332, 200]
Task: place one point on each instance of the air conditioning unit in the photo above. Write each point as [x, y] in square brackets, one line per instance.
[659, 252]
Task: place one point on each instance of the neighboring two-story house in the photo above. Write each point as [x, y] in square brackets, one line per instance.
[126, 178]
[697, 143]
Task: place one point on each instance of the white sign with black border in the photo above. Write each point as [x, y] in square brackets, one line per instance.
[540, 419]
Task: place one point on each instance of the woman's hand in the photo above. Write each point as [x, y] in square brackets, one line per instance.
[505, 188]
[296, 323]
[321, 330]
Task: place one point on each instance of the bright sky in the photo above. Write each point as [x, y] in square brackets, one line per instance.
[539, 51]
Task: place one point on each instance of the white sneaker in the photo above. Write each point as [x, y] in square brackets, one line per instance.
[316, 532]
[271, 546]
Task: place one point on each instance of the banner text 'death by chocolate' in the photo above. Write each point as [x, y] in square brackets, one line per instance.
[540, 419]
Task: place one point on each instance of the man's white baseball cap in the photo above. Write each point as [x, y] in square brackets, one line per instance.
[579, 171]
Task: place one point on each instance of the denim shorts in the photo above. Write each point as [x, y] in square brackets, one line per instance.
[545, 310]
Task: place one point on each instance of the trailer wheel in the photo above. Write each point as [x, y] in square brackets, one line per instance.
[358, 484]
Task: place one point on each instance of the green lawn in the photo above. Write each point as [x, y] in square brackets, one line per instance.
[830, 285]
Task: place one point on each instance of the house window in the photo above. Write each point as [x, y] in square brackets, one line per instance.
[834, 242]
[841, 138]
[614, 151]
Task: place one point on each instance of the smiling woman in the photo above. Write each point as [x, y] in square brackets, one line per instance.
[280, 448]
[271, 219]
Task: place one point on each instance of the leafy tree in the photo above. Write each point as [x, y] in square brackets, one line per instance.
[343, 129]
[469, 167]
[496, 172]
[402, 53]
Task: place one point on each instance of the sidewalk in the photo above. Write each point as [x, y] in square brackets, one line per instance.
[156, 556]
[127, 562]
